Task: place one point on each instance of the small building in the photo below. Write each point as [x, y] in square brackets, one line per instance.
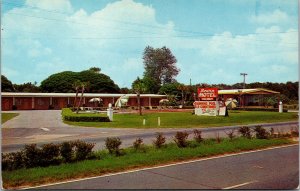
[44, 101]
[248, 97]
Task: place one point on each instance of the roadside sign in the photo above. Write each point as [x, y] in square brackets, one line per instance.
[208, 94]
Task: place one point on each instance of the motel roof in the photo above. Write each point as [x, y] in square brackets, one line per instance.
[256, 91]
[23, 94]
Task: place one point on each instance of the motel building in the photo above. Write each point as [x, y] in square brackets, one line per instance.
[45, 101]
[248, 97]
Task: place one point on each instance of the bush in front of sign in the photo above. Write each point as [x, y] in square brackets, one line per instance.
[181, 139]
[197, 136]
[159, 141]
[245, 132]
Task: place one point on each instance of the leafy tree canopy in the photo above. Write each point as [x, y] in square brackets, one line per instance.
[27, 87]
[6, 85]
[171, 88]
[138, 85]
[160, 67]
[95, 69]
[64, 82]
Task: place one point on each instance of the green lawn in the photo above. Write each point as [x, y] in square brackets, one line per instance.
[187, 120]
[7, 116]
[150, 156]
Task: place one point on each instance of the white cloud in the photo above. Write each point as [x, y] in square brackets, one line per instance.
[114, 38]
[277, 16]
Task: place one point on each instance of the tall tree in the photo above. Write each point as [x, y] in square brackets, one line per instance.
[139, 87]
[160, 66]
[6, 85]
[63, 82]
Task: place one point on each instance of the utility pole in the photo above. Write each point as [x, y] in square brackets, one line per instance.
[244, 84]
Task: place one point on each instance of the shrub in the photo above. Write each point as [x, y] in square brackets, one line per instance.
[32, 156]
[197, 136]
[138, 144]
[294, 132]
[218, 139]
[245, 132]
[113, 145]
[261, 133]
[230, 134]
[272, 132]
[49, 154]
[181, 139]
[12, 161]
[83, 150]
[68, 115]
[159, 141]
[66, 151]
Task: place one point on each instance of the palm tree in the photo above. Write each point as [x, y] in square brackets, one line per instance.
[139, 87]
[76, 86]
[83, 86]
[182, 88]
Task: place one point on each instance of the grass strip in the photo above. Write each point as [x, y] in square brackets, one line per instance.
[149, 156]
[187, 120]
[7, 116]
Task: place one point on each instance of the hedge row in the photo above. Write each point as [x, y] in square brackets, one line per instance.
[54, 154]
[68, 115]
[48, 154]
[258, 109]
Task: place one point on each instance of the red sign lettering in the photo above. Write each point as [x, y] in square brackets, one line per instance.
[207, 94]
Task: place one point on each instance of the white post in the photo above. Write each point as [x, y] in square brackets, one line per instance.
[50, 100]
[280, 107]
[68, 100]
[158, 121]
[14, 101]
[110, 112]
[144, 122]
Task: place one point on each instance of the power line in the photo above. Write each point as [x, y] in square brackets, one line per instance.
[88, 37]
[133, 23]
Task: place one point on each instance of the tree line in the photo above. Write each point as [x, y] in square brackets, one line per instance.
[159, 76]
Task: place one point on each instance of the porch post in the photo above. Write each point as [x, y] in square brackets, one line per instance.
[68, 100]
[50, 100]
[14, 101]
[32, 102]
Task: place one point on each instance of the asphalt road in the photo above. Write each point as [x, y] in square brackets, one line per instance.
[44, 126]
[268, 169]
[128, 136]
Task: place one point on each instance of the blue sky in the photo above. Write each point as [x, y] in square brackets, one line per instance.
[213, 41]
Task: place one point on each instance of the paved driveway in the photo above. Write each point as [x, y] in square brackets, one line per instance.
[42, 125]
